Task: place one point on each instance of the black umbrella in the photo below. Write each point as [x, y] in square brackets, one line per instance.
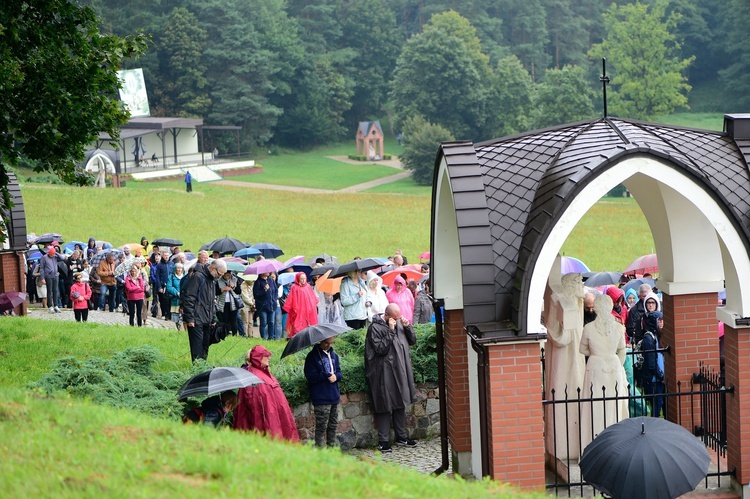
[602, 279]
[224, 245]
[635, 283]
[322, 270]
[329, 260]
[669, 461]
[268, 250]
[166, 241]
[217, 380]
[364, 264]
[49, 238]
[312, 335]
[11, 299]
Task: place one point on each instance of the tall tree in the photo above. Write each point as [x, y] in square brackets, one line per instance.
[443, 75]
[183, 91]
[526, 33]
[253, 54]
[59, 84]
[736, 77]
[644, 54]
[563, 97]
[510, 98]
[369, 28]
[422, 140]
[568, 38]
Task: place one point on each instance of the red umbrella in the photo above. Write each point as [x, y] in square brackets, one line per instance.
[644, 264]
[425, 256]
[11, 299]
[388, 277]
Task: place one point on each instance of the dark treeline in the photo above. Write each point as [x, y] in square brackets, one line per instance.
[300, 73]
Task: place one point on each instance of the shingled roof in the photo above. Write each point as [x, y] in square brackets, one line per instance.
[528, 180]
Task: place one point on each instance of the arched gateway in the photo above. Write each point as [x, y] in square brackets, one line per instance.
[502, 210]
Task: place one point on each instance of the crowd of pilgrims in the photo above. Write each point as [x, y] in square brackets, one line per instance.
[146, 280]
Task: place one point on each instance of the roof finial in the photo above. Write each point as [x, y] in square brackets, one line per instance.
[604, 79]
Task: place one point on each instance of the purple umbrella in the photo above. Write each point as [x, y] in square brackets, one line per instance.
[570, 265]
[263, 267]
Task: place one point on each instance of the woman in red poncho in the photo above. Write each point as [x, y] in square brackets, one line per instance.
[264, 407]
[301, 305]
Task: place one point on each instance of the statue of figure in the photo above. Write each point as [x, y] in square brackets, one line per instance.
[101, 174]
[371, 154]
[564, 364]
[603, 341]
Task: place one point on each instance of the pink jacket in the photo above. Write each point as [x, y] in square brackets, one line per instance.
[83, 291]
[135, 289]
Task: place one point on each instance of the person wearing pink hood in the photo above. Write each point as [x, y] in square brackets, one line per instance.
[401, 296]
[619, 307]
[264, 407]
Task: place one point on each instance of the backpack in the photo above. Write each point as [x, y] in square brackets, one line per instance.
[639, 360]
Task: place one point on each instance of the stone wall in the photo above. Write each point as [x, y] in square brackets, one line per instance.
[357, 421]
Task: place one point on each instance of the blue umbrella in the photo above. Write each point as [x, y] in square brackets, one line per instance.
[33, 255]
[71, 246]
[268, 250]
[245, 252]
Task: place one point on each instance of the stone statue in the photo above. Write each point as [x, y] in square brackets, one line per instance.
[101, 175]
[603, 341]
[564, 364]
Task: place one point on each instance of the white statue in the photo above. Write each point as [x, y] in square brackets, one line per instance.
[101, 175]
[371, 154]
[564, 364]
[603, 342]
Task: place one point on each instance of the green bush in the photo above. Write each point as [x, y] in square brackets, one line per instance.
[129, 379]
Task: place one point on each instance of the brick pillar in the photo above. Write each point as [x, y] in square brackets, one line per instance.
[457, 383]
[515, 415]
[736, 346]
[690, 329]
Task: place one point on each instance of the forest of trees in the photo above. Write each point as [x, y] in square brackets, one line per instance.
[301, 73]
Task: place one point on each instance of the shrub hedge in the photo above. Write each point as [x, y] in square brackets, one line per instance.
[129, 380]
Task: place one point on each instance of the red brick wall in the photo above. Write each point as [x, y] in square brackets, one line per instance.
[457, 381]
[736, 347]
[515, 414]
[690, 328]
[13, 278]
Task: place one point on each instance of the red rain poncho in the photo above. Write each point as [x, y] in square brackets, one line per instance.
[264, 407]
[301, 305]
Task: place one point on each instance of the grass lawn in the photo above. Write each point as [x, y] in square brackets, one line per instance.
[67, 447]
[706, 121]
[344, 225]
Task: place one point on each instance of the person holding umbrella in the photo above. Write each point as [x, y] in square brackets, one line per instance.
[323, 373]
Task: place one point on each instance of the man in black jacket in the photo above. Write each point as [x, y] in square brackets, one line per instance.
[199, 305]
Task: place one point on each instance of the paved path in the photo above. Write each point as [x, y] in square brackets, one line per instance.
[109, 318]
[425, 457]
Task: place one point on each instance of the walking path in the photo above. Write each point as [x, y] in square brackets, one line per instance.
[99, 317]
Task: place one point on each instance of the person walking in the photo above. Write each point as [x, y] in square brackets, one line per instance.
[389, 374]
[188, 181]
[199, 305]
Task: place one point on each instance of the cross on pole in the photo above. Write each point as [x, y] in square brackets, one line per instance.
[604, 78]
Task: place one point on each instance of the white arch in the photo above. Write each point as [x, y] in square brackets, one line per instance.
[446, 276]
[697, 244]
[98, 160]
